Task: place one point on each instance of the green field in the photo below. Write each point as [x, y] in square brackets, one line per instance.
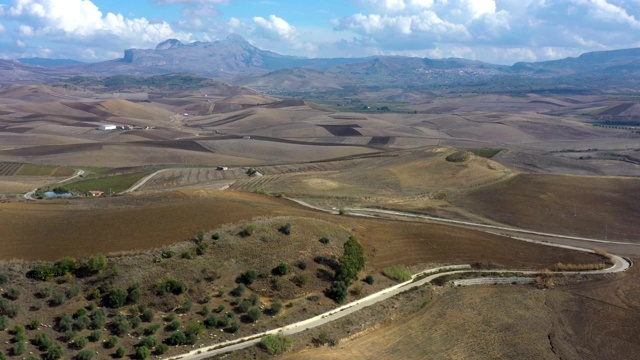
[108, 184]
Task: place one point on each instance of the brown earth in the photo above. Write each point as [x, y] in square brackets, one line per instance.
[595, 207]
[586, 320]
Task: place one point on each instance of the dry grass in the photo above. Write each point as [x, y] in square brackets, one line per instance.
[579, 267]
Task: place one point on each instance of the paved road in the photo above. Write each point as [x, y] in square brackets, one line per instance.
[78, 173]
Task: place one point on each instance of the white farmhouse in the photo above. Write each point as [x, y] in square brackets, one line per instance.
[107, 127]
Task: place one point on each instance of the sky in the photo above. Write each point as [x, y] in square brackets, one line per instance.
[494, 31]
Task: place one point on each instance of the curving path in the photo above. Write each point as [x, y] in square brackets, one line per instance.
[78, 173]
[424, 277]
[142, 181]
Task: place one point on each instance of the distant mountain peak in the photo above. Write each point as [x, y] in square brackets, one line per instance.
[238, 39]
[169, 44]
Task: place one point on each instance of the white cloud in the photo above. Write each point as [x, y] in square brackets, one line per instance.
[274, 28]
[81, 24]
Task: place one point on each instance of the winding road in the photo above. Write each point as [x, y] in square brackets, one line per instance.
[424, 277]
[78, 173]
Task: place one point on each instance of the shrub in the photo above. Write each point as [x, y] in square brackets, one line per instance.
[199, 236]
[4, 322]
[142, 352]
[120, 353]
[161, 349]
[276, 344]
[285, 229]
[356, 290]
[338, 291]
[397, 273]
[135, 322]
[13, 293]
[239, 290]
[96, 263]
[324, 240]
[98, 318]
[189, 255]
[133, 293]
[9, 308]
[244, 305]
[116, 298]
[248, 230]
[68, 335]
[177, 338]
[81, 322]
[210, 322]
[149, 342]
[72, 292]
[3, 279]
[249, 276]
[19, 348]
[80, 342]
[254, 314]
[171, 285]
[300, 279]
[54, 353]
[65, 266]
[215, 236]
[120, 325]
[223, 322]
[65, 322]
[147, 315]
[173, 325]
[186, 306]
[152, 329]
[369, 279]
[41, 272]
[111, 342]
[95, 335]
[42, 341]
[43, 292]
[276, 284]
[280, 270]
[85, 355]
[167, 254]
[276, 306]
[233, 327]
[220, 308]
[302, 265]
[201, 248]
[58, 298]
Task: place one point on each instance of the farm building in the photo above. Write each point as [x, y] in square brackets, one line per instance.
[107, 127]
[222, 168]
[95, 193]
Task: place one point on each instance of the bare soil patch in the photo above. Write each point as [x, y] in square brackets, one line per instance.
[596, 207]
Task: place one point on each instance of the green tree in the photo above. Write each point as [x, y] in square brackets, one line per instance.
[161, 349]
[276, 306]
[120, 353]
[249, 276]
[116, 298]
[254, 314]
[4, 322]
[338, 291]
[96, 263]
[280, 270]
[351, 262]
[85, 355]
[142, 352]
[54, 353]
[111, 342]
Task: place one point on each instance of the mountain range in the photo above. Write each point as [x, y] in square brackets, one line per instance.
[236, 61]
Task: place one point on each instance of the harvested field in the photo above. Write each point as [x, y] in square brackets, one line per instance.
[596, 207]
[40, 230]
[203, 177]
[108, 184]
